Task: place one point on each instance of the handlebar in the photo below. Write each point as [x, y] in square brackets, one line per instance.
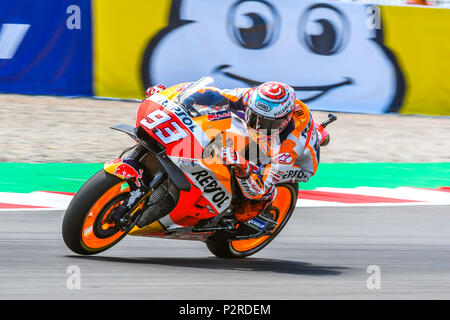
[331, 119]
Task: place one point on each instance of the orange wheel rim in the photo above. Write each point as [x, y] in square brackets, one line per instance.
[89, 237]
[283, 202]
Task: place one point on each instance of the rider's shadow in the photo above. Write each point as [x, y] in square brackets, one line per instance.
[248, 264]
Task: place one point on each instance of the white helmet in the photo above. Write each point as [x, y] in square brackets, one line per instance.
[270, 106]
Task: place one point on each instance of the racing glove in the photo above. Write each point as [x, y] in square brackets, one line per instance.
[250, 183]
[231, 158]
[155, 89]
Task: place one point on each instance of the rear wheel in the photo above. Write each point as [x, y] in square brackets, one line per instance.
[86, 227]
[282, 208]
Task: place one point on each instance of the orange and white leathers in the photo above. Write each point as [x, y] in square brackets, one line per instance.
[293, 153]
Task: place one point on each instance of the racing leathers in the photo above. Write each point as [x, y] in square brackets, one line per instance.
[291, 155]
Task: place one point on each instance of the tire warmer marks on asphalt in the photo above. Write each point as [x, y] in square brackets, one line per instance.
[319, 197]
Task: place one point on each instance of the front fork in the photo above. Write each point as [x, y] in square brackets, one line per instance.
[131, 170]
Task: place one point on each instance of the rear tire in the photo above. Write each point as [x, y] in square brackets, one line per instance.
[223, 248]
[99, 194]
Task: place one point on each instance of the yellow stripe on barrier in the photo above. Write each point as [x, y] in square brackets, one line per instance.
[121, 31]
[418, 36]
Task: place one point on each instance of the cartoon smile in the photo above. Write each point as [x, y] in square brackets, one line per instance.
[320, 89]
[324, 51]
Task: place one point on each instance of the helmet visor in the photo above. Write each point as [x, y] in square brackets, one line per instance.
[257, 122]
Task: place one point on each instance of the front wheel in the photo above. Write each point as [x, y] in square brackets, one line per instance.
[86, 228]
[283, 205]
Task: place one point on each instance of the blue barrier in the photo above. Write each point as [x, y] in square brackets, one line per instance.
[46, 47]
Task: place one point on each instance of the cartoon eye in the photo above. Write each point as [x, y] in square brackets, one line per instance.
[253, 24]
[324, 29]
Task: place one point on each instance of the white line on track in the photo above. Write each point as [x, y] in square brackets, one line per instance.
[58, 201]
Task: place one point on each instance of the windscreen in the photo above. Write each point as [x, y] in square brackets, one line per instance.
[202, 97]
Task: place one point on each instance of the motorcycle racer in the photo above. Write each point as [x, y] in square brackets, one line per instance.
[284, 126]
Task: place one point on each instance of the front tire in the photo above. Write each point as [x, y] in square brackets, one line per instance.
[285, 203]
[84, 228]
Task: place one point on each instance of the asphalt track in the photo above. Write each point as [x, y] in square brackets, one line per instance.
[323, 253]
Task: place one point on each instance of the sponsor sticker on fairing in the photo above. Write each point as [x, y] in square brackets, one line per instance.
[219, 115]
[212, 189]
[257, 224]
[204, 179]
[178, 111]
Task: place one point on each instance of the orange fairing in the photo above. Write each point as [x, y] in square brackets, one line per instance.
[172, 128]
[282, 202]
[193, 206]
[213, 128]
[152, 229]
[182, 214]
[171, 92]
[220, 171]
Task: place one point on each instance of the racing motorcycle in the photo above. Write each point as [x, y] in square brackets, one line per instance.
[171, 183]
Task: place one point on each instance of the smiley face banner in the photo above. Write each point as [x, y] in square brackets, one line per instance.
[327, 52]
[337, 56]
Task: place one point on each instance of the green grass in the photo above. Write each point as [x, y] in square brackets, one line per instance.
[68, 177]
[387, 175]
[28, 177]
